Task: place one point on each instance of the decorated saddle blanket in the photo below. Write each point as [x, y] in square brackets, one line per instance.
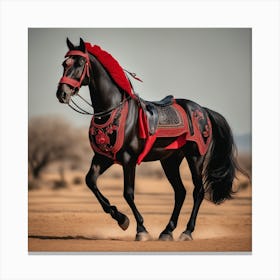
[107, 137]
[164, 121]
[192, 124]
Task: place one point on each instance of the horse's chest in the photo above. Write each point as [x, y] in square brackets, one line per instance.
[107, 138]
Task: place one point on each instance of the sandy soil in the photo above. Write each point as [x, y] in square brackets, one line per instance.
[71, 220]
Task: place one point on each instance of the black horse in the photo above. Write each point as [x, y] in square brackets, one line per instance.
[212, 172]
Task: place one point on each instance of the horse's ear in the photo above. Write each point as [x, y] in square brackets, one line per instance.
[82, 45]
[69, 44]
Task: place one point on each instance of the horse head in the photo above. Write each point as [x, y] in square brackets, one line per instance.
[76, 71]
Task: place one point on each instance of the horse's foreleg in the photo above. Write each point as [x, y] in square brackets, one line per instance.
[171, 168]
[195, 165]
[129, 181]
[99, 165]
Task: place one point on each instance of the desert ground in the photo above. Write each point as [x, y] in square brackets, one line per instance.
[70, 219]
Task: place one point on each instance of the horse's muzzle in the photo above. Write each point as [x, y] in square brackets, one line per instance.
[64, 93]
[63, 99]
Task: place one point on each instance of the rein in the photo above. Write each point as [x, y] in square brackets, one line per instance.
[80, 110]
[105, 113]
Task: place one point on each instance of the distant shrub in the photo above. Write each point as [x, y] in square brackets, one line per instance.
[243, 185]
[33, 184]
[59, 184]
[245, 161]
[51, 140]
[77, 180]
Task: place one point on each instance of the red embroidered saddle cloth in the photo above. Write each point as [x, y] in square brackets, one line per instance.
[174, 121]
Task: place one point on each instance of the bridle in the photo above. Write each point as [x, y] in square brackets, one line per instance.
[76, 84]
[86, 71]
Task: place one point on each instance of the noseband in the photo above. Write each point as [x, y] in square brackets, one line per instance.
[73, 82]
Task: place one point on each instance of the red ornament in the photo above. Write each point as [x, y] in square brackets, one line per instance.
[206, 132]
[101, 138]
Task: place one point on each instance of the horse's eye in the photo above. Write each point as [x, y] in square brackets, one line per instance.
[81, 61]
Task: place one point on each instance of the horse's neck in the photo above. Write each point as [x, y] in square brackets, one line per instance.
[105, 95]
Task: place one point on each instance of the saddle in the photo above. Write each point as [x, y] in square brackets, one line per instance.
[152, 111]
[167, 118]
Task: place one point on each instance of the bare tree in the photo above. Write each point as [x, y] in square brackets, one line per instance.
[50, 140]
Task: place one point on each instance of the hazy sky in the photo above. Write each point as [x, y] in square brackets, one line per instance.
[209, 66]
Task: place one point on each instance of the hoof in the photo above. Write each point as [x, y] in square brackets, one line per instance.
[143, 236]
[124, 225]
[165, 237]
[185, 236]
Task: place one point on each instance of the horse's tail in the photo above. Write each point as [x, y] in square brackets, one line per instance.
[220, 162]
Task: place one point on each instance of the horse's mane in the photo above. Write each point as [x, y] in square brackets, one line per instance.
[113, 68]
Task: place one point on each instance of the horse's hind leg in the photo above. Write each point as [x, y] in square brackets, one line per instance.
[195, 164]
[99, 165]
[171, 168]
